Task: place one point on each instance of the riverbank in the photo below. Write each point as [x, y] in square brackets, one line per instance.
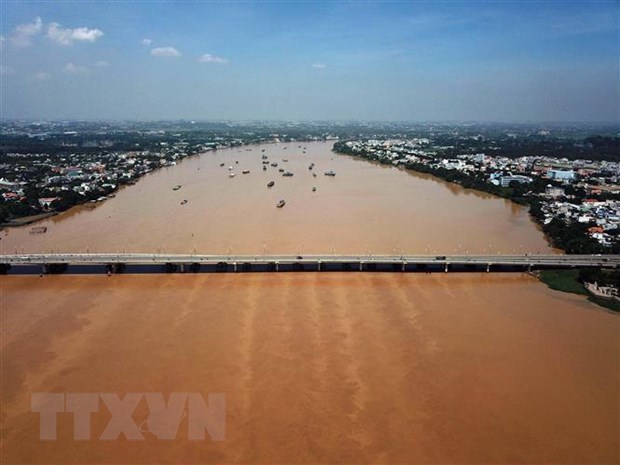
[567, 238]
[26, 220]
[569, 281]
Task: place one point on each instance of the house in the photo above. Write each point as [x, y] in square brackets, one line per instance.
[46, 202]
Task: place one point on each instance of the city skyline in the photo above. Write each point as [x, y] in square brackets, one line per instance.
[457, 61]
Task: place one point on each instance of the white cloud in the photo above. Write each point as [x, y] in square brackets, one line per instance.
[101, 64]
[2, 41]
[42, 76]
[319, 66]
[208, 58]
[165, 52]
[23, 33]
[71, 68]
[147, 41]
[66, 36]
[4, 70]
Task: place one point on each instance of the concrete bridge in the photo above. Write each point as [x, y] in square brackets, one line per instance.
[93, 263]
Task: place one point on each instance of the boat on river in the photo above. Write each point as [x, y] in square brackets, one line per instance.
[281, 203]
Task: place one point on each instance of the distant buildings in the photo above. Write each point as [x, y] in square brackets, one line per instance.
[561, 175]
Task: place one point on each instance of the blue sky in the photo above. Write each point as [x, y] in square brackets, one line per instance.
[417, 61]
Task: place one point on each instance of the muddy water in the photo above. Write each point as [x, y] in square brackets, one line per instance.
[315, 368]
[365, 208]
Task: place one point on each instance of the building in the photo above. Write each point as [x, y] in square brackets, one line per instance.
[561, 175]
[554, 192]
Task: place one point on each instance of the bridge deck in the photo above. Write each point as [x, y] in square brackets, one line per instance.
[190, 262]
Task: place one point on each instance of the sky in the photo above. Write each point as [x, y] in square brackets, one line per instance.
[504, 61]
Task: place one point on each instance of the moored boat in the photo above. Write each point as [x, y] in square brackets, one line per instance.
[281, 203]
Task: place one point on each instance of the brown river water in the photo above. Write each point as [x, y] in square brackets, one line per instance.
[457, 368]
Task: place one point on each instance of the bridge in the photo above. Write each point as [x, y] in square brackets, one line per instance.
[93, 263]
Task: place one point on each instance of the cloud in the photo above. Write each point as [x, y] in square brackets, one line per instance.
[2, 41]
[23, 33]
[208, 58]
[147, 41]
[4, 70]
[165, 52]
[101, 64]
[319, 66]
[42, 76]
[66, 36]
[71, 68]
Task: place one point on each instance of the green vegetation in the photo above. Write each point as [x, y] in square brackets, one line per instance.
[563, 280]
[572, 281]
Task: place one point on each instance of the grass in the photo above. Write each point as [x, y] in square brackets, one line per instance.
[563, 280]
[568, 281]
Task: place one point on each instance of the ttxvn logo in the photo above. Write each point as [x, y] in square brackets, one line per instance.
[163, 419]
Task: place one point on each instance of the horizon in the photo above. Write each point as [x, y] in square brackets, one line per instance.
[539, 62]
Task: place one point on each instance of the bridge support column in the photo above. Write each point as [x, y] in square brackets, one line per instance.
[182, 268]
[446, 268]
[277, 266]
[235, 266]
[488, 267]
[361, 267]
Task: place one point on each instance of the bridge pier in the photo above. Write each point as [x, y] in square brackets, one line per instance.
[361, 268]
[319, 265]
[277, 266]
[403, 266]
[235, 266]
[446, 268]
[488, 267]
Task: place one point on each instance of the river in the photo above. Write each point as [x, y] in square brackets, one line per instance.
[316, 368]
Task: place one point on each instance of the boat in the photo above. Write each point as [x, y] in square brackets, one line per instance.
[38, 230]
[311, 166]
[288, 174]
[285, 160]
[330, 173]
[221, 164]
[263, 150]
[314, 189]
[281, 203]
[264, 168]
[314, 175]
[281, 170]
[230, 168]
[270, 184]
[231, 175]
[245, 172]
[184, 202]
[264, 157]
[265, 162]
[274, 164]
[177, 187]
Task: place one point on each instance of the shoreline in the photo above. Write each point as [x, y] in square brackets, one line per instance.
[570, 284]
